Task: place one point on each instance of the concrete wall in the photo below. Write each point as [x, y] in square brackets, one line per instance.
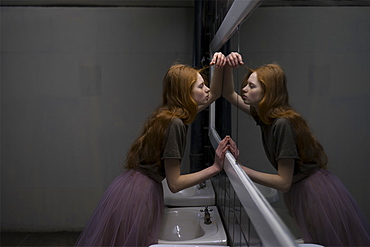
[76, 86]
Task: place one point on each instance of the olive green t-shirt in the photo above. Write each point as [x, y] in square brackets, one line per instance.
[280, 142]
[175, 140]
[174, 146]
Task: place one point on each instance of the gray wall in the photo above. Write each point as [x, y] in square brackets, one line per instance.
[78, 83]
[325, 53]
[76, 86]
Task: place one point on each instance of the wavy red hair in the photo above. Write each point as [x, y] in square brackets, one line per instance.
[177, 102]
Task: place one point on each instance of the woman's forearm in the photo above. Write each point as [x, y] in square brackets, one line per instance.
[228, 91]
[275, 181]
[215, 87]
[188, 180]
[216, 83]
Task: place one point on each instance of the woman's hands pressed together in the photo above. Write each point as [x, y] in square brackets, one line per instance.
[234, 59]
[227, 144]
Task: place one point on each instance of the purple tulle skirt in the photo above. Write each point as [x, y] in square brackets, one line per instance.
[326, 212]
[129, 213]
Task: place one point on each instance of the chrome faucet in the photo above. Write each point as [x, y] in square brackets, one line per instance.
[202, 185]
[207, 215]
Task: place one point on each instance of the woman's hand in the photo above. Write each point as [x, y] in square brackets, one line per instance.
[219, 60]
[234, 59]
[233, 149]
[220, 152]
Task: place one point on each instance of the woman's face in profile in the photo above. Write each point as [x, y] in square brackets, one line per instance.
[200, 91]
[252, 93]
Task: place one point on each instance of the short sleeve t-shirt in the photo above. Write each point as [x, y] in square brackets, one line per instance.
[280, 142]
[175, 140]
[174, 146]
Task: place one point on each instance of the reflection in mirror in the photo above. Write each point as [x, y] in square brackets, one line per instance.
[319, 59]
[247, 136]
[245, 132]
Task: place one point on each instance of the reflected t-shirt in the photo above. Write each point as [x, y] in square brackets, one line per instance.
[280, 142]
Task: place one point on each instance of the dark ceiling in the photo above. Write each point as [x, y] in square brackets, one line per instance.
[173, 3]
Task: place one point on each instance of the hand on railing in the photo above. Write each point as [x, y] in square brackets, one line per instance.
[233, 149]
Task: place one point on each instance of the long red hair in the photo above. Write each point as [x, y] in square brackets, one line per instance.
[177, 102]
[275, 104]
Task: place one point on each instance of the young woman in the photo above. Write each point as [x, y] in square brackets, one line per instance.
[130, 212]
[323, 208]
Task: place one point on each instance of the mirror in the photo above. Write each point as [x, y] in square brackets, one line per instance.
[268, 228]
[324, 53]
[236, 14]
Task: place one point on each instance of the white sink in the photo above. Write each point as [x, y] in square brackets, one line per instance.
[183, 245]
[193, 196]
[309, 245]
[270, 194]
[185, 226]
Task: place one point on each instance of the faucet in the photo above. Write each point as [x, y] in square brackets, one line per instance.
[207, 215]
[202, 185]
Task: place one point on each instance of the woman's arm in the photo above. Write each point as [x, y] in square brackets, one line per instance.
[234, 59]
[281, 181]
[219, 62]
[177, 182]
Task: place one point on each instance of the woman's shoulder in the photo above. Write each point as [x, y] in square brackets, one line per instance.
[177, 128]
[281, 121]
[177, 121]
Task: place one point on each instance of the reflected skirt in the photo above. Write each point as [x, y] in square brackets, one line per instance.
[326, 212]
[129, 213]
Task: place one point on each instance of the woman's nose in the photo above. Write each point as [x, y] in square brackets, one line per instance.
[207, 89]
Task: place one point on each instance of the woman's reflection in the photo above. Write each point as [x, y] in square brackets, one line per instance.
[323, 208]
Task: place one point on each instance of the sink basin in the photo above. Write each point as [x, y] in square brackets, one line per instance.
[186, 226]
[192, 196]
[270, 194]
[183, 245]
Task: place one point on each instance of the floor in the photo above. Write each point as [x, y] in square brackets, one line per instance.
[38, 239]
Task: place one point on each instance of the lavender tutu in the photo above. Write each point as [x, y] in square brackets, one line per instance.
[129, 213]
[326, 212]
